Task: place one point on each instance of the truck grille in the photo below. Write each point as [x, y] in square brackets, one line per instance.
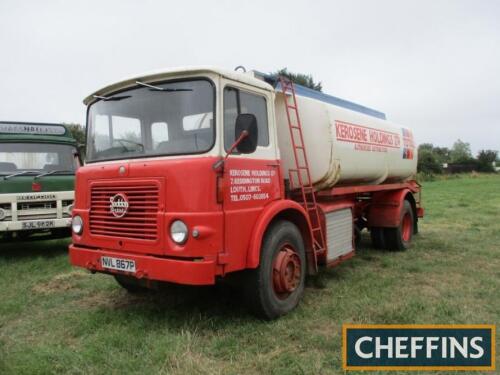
[140, 220]
[36, 210]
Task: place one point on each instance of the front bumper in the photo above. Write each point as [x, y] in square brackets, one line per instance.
[14, 226]
[148, 267]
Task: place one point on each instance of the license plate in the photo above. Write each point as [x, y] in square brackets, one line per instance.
[42, 224]
[118, 264]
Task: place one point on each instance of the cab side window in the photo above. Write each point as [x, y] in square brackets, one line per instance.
[237, 102]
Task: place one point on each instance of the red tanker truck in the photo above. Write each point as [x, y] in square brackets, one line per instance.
[198, 174]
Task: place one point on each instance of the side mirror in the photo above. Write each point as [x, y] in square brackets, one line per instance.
[246, 122]
[246, 135]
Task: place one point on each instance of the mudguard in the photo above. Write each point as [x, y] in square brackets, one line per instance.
[288, 210]
[385, 209]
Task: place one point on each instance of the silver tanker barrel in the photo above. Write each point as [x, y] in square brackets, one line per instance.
[346, 143]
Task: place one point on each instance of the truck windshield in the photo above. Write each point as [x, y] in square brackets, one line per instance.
[22, 158]
[171, 118]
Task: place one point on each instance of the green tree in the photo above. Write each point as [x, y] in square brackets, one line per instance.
[305, 80]
[426, 147]
[427, 162]
[485, 159]
[460, 152]
[77, 131]
[442, 154]
[427, 159]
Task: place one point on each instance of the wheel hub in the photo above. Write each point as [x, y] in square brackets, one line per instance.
[287, 271]
[406, 227]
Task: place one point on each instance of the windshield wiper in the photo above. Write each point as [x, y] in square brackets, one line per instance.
[112, 98]
[151, 88]
[157, 88]
[52, 172]
[18, 174]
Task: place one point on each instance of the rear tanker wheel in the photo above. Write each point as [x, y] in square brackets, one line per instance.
[276, 286]
[400, 238]
[378, 237]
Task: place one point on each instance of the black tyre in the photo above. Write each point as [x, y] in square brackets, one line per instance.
[400, 238]
[276, 286]
[131, 284]
[378, 237]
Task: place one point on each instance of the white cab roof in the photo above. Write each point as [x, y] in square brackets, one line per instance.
[159, 75]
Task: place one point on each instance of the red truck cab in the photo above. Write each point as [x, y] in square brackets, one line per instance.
[183, 184]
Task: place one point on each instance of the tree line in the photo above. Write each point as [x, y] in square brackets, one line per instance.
[433, 159]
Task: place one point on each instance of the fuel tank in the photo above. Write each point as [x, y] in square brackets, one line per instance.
[346, 143]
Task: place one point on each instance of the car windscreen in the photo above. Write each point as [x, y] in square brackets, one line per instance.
[37, 157]
[171, 118]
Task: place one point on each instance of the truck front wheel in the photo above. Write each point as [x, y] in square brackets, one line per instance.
[276, 286]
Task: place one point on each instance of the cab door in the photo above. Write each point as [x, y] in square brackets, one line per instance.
[250, 181]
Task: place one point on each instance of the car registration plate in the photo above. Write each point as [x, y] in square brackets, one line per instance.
[118, 264]
[42, 224]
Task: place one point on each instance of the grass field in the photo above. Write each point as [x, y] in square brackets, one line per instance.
[58, 319]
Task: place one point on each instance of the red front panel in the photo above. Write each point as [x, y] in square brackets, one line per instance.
[158, 192]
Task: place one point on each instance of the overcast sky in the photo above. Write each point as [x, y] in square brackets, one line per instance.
[433, 66]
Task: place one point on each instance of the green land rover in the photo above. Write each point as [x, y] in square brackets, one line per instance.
[37, 172]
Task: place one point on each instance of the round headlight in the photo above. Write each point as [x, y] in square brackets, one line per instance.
[179, 232]
[77, 224]
[2, 214]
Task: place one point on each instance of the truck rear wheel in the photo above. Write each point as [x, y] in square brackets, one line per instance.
[276, 286]
[400, 238]
[378, 237]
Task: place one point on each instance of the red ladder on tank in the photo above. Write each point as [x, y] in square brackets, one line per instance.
[301, 171]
